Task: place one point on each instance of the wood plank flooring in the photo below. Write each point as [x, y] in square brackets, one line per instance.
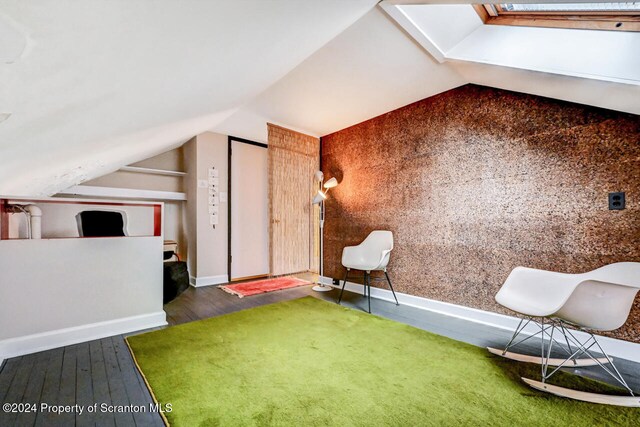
[103, 372]
[86, 374]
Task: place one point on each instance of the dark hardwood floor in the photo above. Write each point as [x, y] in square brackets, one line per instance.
[103, 372]
[209, 301]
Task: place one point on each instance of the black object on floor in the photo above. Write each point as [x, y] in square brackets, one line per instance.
[175, 281]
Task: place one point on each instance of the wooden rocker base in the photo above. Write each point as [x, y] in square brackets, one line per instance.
[629, 401]
[551, 362]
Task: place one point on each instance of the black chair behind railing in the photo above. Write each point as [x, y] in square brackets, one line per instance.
[101, 224]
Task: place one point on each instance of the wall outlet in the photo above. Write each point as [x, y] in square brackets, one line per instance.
[336, 282]
[616, 201]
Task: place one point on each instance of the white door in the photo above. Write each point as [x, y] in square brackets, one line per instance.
[249, 210]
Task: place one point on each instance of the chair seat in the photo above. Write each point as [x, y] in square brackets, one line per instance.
[528, 307]
[362, 266]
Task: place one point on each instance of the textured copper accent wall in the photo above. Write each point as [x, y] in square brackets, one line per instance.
[476, 181]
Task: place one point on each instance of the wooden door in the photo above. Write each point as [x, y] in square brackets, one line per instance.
[293, 159]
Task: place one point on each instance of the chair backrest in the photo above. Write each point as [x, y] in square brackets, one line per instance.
[602, 306]
[604, 297]
[101, 224]
[621, 273]
[600, 299]
[377, 246]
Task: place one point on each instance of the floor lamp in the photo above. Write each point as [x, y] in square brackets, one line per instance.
[319, 199]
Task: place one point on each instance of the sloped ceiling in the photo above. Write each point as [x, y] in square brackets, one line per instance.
[88, 86]
[369, 69]
[374, 67]
[598, 93]
[91, 86]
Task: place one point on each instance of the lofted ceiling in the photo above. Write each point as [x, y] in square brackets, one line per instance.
[88, 87]
[93, 85]
[369, 69]
[376, 66]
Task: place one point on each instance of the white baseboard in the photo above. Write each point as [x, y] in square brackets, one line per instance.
[615, 347]
[208, 280]
[13, 347]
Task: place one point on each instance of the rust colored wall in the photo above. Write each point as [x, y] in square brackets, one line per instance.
[476, 181]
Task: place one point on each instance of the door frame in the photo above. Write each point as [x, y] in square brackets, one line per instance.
[230, 139]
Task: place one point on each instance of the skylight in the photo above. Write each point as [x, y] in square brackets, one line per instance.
[622, 16]
[571, 7]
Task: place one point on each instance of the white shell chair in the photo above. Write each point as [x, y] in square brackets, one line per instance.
[599, 300]
[370, 255]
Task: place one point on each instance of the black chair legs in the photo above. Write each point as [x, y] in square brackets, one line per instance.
[344, 283]
[390, 286]
[367, 288]
[366, 284]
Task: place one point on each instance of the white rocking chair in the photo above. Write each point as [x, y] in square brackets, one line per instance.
[599, 300]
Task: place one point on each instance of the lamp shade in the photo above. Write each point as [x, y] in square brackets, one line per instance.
[331, 183]
[319, 197]
[319, 176]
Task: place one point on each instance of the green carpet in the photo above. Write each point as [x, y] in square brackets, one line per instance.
[312, 363]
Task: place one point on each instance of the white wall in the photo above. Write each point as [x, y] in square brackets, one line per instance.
[60, 291]
[172, 160]
[211, 244]
[190, 210]
[173, 221]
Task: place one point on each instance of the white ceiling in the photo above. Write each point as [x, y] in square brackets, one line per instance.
[369, 69]
[443, 31]
[455, 32]
[375, 66]
[99, 84]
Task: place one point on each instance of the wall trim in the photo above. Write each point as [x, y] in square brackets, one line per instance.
[615, 347]
[197, 282]
[19, 346]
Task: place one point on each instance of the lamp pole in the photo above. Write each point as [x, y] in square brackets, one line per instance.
[321, 287]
